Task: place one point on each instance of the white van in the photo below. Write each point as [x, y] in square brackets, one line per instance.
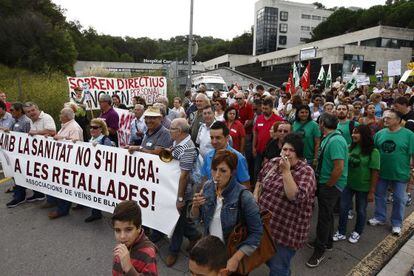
[211, 82]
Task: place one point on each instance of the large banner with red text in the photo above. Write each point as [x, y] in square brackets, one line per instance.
[96, 176]
[149, 88]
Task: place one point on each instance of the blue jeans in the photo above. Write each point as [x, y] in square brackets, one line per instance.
[185, 227]
[398, 204]
[63, 206]
[279, 264]
[361, 200]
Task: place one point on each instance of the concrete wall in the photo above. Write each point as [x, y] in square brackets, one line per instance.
[234, 60]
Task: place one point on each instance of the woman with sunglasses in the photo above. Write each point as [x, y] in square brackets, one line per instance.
[278, 132]
[316, 106]
[219, 107]
[99, 135]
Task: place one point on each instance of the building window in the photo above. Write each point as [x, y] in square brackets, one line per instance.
[304, 28]
[316, 17]
[283, 27]
[306, 16]
[284, 16]
[282, 40]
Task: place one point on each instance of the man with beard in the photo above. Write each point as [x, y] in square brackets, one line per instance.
[345, 126]
[406, 114]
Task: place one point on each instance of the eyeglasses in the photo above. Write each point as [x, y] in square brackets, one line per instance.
[283, 131]
[95, 127]
[238, 98]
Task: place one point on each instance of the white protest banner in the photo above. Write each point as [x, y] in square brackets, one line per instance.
[124, 131]
[149, 88]
[95, 176]
[394, 68]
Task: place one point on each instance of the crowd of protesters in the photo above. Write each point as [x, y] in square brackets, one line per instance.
[288, 151]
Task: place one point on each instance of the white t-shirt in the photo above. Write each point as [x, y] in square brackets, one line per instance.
[45, 121]
[215, 225]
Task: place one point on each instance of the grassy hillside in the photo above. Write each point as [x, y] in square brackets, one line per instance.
[50, 92]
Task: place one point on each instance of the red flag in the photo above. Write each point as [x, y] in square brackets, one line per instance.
[289, 83]
[292, 85]
[305, 80]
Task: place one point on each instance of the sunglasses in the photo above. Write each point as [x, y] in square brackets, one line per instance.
[238, 98]
[95, 127]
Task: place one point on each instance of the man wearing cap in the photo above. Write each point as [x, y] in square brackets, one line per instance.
[157, 136]
[110, 116]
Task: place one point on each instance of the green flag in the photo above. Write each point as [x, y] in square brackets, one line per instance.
[352, 83]
[328, 80]
[296, 77]
[321, 76]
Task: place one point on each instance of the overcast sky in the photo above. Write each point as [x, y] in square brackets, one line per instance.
[168, 18]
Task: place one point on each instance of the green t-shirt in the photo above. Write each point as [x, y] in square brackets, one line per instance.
[396, 149]
[359, 168]
[336, 149]
[309, 131]
[344, 128]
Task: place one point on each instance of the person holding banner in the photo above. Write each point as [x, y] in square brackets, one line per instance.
[99, 136]
[216, 204]
[70, 131]
[42, 124]
[21, 124]
[185, 152]
[156, 137]
[110, 116]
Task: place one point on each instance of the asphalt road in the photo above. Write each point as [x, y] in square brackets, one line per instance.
[31, 244]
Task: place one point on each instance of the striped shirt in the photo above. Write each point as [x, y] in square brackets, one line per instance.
[143, 258]
[185, 152]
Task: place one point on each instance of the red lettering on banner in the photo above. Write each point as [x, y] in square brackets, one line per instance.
[110, 84]
[162, 82]
[93, 84]
[130, 83]
[72, 83]
[120, 84]
[102, 85]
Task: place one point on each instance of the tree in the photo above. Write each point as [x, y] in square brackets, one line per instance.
[319, 5]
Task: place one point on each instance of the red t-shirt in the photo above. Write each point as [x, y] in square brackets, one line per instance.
[245, 114]
[236, 133]
[262, 129]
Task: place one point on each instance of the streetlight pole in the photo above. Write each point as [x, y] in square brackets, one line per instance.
[190, 46]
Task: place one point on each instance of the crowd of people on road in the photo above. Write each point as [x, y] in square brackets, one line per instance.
[244, 152]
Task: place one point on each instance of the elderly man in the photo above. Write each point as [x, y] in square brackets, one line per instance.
[6, 119]
[110, 116]
[185, 152]
[196, 118]
[138, 126]
[70, 130]
[157, 136]
[203, 138]
[169, 113]
[21, 124]
[166, 122]
[42, 124]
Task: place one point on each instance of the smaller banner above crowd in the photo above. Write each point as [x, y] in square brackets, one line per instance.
[96, 176]
[149, 88]
[124, 131]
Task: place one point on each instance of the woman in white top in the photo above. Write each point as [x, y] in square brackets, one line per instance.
[222, 202]
[177, 107]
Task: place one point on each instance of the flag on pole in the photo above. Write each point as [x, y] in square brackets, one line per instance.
[296, 77]
[328, 80]
[305, 80]
[289, 82]
[352, 83]
[321, 76]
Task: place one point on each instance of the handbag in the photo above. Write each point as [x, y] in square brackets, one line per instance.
[263, 252]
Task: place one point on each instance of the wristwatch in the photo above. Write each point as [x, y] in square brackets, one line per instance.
[180, 199]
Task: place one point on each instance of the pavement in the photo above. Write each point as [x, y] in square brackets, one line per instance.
[402, 263]
[31, 244]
